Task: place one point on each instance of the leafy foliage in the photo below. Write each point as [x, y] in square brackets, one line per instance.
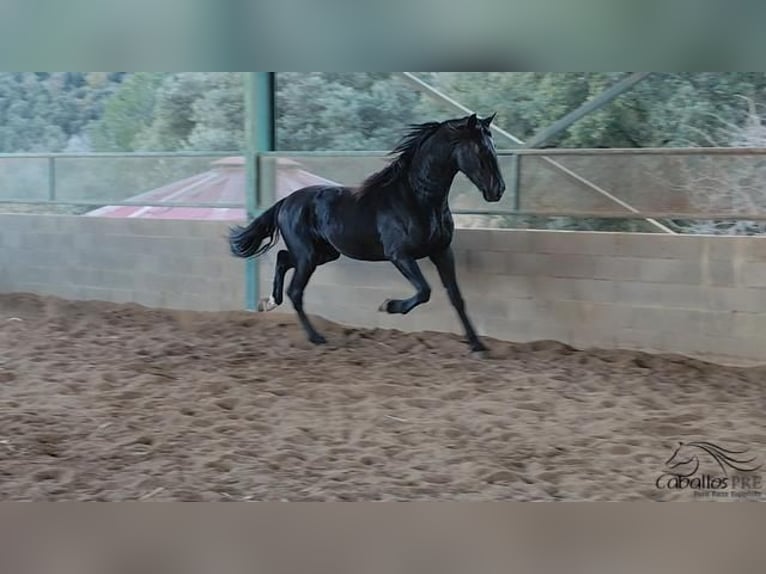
[118, 111]
[121, 111]
[44, 111]
[364, 111]
[665, 109]
[127, 113]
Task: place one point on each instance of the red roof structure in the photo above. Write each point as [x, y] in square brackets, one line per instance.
[224, 183]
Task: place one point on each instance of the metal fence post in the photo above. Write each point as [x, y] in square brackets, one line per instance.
[516, 181]
[51, 178]
[259, 129]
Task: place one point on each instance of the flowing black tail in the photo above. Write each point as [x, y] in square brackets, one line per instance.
[246, 241]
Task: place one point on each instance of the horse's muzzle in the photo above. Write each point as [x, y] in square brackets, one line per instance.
[495, 192]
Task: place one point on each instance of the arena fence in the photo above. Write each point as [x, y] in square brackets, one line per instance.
[639, 184]
[694, 294]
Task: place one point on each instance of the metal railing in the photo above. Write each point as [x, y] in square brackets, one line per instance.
[99, 179]
[651, 184]
[648, 184]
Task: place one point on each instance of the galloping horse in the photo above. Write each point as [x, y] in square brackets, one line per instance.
[400, 214]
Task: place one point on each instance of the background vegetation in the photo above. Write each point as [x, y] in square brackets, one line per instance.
[204, 111]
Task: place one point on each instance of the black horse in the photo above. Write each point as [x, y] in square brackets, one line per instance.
[399, 214]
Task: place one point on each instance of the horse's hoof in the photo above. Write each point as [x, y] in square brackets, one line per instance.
[479, 350]
[317, 339]
[384, 306]
[265, 305]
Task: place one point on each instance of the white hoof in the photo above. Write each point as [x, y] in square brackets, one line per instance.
[384, 306]
[267, 304]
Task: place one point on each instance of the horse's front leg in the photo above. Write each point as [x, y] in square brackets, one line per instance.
[445, 264]
[409, 268]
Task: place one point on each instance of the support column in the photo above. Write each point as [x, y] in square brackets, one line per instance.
[259, 135]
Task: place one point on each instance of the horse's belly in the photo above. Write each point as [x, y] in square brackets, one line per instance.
[364, 247]
[370, 246]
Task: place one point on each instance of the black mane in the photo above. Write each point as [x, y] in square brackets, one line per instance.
[404, 151]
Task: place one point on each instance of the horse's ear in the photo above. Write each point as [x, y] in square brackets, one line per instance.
[472, 120]
[487, 121]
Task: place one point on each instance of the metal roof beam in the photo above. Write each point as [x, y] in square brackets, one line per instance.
[588, 107]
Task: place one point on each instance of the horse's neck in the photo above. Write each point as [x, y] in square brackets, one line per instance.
[431, 178]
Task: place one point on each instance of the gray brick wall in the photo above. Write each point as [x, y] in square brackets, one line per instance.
[157, 263]
[702, 296]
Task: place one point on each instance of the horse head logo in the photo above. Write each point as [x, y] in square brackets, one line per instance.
[687, 459]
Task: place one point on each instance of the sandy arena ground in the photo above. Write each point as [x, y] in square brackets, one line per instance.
[118, 402]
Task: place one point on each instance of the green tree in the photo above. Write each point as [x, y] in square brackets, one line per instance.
[665, 109]
[127, 113]
[315, 111]
[42, 111]
[25, 116]
[219, 115]
[355, 111]
[173, 113]
[197, 111]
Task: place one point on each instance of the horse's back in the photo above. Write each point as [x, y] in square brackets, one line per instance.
[313, 193]
[335, 215]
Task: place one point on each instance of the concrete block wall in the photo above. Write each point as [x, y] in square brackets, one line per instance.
[157, 263]
[695, 295]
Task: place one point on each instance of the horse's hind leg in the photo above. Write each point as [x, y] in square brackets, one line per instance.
[303, 271]
[304, 268]
[284, 264]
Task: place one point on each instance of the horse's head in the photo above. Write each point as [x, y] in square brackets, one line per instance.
[475, 155]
